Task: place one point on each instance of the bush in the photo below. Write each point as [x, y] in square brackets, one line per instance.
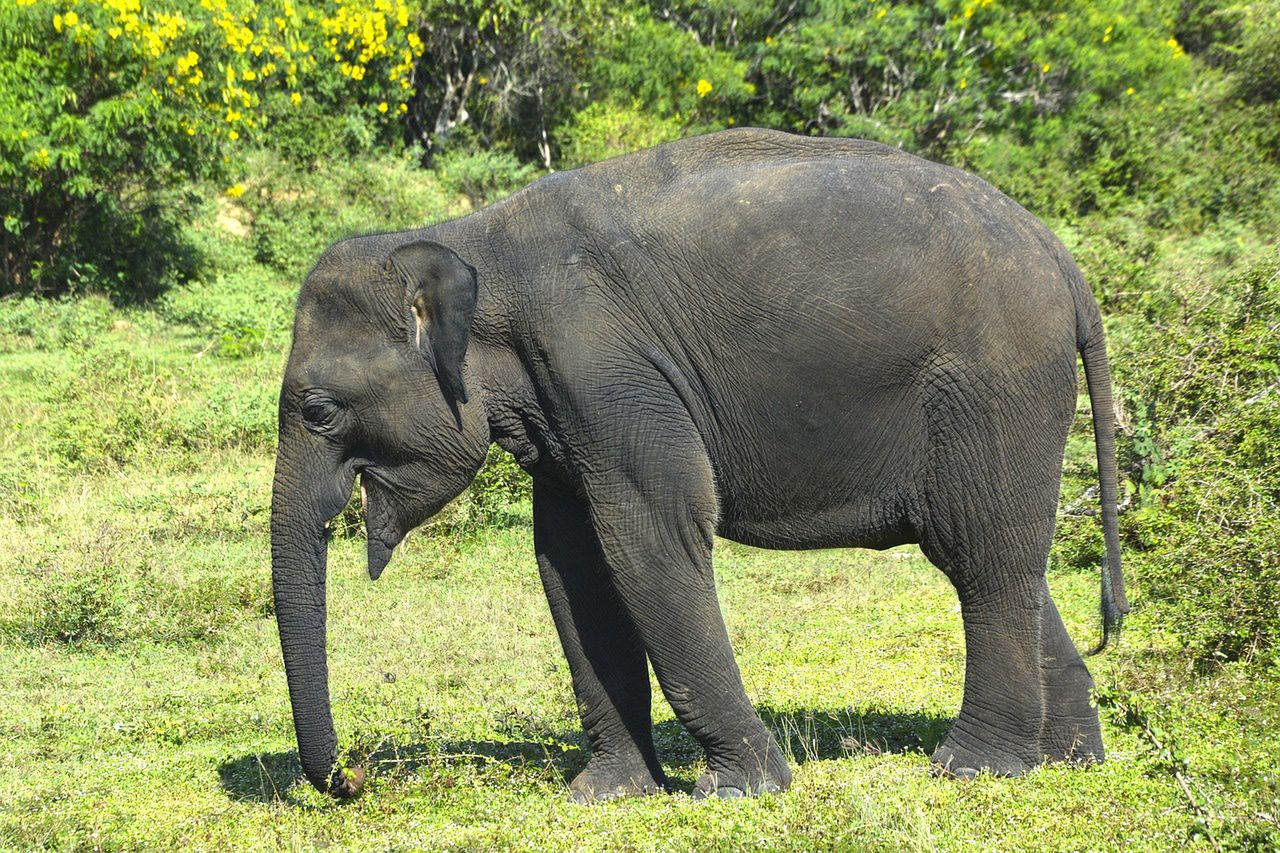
[238, 312]
[46, 324]
[106, 588]
[106, 404]
[297, 213]
[1257, 59]
[109, 110]
[605, 130]
[482, 176]
[93, 161]
[1209, 540]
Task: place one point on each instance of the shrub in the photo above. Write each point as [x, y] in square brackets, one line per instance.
[1209, 539]
[500, 484]
[92, 159]
[482, 176]
[238, 312]
[603, 130]
[104, 405]
[46, 324]
[296, 213]
[1257, 59]
[79, 608]
[108, 110]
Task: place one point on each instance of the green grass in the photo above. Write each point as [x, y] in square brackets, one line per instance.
[447, 672]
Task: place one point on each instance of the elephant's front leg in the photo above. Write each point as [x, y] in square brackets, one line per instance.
[606, 657]
[653, 504]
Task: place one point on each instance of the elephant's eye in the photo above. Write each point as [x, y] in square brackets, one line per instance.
[320, 413]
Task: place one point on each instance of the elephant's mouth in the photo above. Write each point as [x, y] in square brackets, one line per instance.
[381, 525]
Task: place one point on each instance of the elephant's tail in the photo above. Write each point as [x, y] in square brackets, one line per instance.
[1091, 343]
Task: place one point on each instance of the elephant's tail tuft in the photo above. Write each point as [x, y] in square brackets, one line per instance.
[1091, 343]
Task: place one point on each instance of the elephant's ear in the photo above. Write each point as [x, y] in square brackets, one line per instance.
[440, 291]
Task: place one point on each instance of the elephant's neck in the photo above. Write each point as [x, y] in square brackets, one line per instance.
[517, 422]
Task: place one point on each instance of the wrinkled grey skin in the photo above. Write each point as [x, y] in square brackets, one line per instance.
[788, 342]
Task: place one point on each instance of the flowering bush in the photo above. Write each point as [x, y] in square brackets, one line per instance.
[108, 109]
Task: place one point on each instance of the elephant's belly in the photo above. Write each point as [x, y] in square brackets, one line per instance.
[844, 475]
[859, 524]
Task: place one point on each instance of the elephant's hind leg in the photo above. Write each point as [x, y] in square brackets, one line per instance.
[991, 505]
[606, 657]
[998, 729]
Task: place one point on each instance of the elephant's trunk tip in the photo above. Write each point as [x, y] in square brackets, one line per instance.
[347, 783]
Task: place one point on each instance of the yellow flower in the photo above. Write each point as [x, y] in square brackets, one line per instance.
[235, 190]
[1129, 91]
[881, 14]
[1044, 69]
[769, 39]
[57, 23]
[191, 131]
[295, 98]
[114, 32]
[248, 75]
[233, 136]
[382, 107]
[404, 108]
[704, 88]
[71, 19]
[963, 83]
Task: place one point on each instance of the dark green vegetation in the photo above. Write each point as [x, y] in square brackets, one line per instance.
[141, 697]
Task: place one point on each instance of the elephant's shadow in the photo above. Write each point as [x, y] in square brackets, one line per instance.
[807, 735]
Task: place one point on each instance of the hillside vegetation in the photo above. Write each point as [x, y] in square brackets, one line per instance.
[169, 170]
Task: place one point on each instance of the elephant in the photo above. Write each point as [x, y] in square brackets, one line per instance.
[789, 342]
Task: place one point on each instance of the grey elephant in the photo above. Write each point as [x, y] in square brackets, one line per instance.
[789, 342]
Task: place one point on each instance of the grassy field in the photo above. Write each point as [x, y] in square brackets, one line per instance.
[143, 703]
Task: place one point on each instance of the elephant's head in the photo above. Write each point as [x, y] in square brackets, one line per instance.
[375, 388]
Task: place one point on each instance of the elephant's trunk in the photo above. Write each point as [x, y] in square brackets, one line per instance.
[303, 499]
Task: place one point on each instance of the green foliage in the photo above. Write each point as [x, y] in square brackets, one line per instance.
[79, 608]
[106, 404]
[93, 163]
[46, 324]
[296, 213]
[1210, 538]
[669, 71]
[1257, 59]
[500, 484]
[603, 130]
[482, 176]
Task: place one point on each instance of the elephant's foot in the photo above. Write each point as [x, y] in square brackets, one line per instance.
[763, 770]
[961, 757]
[607, 778]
